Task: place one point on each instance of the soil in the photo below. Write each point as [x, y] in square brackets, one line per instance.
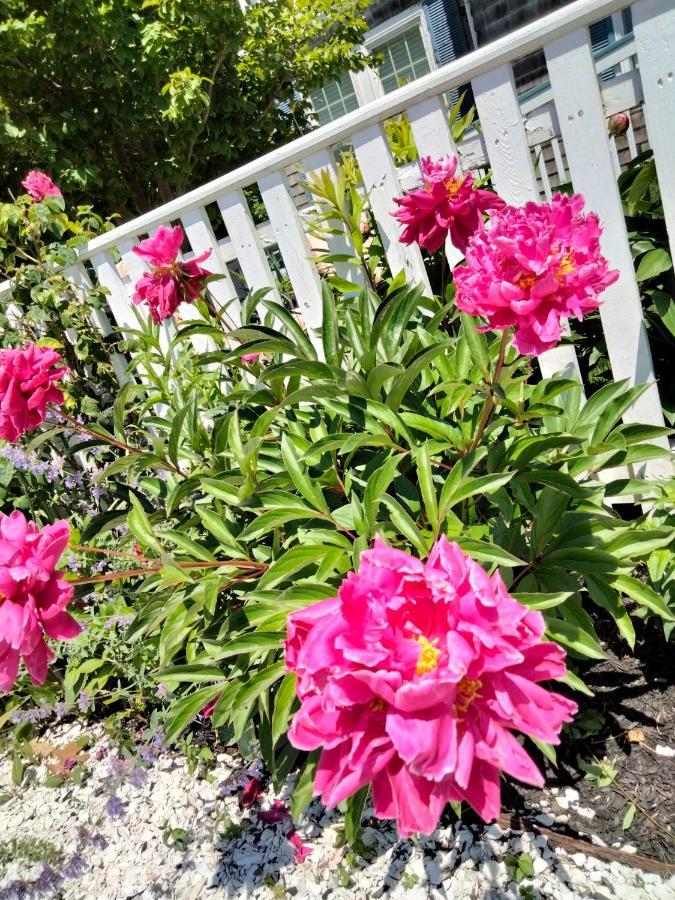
[632, 712]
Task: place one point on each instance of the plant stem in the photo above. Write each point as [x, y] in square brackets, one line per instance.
[489, 405]
[90, 432]
[253, 567]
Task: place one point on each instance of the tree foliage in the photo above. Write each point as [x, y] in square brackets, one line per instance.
[133, 103]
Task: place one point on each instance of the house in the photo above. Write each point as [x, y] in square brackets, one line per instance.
[409, 38]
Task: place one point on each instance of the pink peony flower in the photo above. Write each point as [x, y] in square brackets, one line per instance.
[27, 386]
[413, 677]
[249, 358]
[33, 596]
[533, 268]
[446, 203]
[39, 186]
[169, 282]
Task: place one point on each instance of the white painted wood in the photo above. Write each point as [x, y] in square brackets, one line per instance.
[511, 160]
[654, 27]
[543, 173]
[507, 146]
[500, 52]
[341, 243]
[81, 281]
[616, 165]
[585, 135]
[118, 298]
[433, 137]
[381, 183]
[294, 246]
[630, 137]
[247, 243]
[201, 237]
[560, 165]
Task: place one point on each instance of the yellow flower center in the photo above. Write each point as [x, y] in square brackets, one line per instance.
[378, 705]
[428, 658]
[566, 265]
[527, 281]
[452, 185]
[467, 692]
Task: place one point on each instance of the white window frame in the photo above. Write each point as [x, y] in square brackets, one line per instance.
[404, 21]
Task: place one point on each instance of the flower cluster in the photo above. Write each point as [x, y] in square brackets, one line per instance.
[533, 268]
[27, 386]
[33, 596]
[413, 677]
[39, 186]
[447, 203]
[169, 282]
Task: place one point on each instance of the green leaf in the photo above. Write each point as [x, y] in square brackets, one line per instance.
[629, 816]
[550, 506]
[254, 642]
[298, 473]
[404, 524]
[291, 562]
[283, 701]
[329, 330]
[377, 485]
[606, 597]
[427, 487]
[191, 673]
[574, 637]
[176, 428]
[542, 600]
[216, 525]
[643, 594]
[140, 526]
[304, 786]
[184, 710]
[486, 552]
[653, 263]
[355, 806]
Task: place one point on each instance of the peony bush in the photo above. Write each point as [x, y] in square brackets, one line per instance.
[379, 557]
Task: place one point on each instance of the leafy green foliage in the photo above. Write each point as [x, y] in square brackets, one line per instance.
[134, 103]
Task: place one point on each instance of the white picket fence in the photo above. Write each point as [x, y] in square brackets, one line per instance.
[561, 127]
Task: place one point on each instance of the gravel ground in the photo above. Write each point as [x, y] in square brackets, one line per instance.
[127, 832]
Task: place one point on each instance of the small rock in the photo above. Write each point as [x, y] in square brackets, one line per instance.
[539, 865]
[545, 819]
[664, 751]
[571, 795]
[491, 869]
[562, 802]
[494, 831]
[579, 859]
[628, 848]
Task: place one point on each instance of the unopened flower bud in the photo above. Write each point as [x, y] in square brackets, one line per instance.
[618, 123]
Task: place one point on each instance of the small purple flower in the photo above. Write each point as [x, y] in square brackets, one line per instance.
[162, 691]
[138, 777]
[98, 841]
[83, 701]
[96, 492]
[48, 880]
[117, 766]
[99, 566]
[114, 808]
[60, 710]
[75, 867]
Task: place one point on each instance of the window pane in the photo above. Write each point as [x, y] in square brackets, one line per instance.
[404, 59]
[334, 99]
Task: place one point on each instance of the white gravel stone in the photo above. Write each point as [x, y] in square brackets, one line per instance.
[229, 853]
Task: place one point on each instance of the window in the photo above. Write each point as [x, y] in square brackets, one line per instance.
[334, 99]
[405, 58]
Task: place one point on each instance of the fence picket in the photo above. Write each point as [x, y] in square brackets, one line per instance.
[294, 246]
[654, 27]
[584, 133]
[512, 171]
[79, 278]
[247, 243]
[201, 237]
[433, 137]
[382, 184]
[340, 244]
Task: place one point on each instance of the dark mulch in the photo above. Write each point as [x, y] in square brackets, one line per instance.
[632, 711]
